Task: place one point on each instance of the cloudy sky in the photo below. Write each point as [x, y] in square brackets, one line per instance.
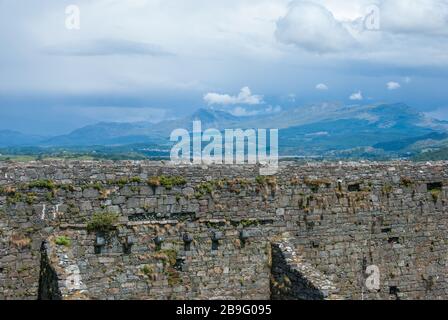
[148, 60]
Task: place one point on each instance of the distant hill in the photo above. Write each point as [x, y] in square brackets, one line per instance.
[381, 129]
[10, 138]
[403, 144]
[107, 134]
[318, 138]
[435, 155]
[386, 130]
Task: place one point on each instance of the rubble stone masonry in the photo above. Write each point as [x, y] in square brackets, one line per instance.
[222, 232]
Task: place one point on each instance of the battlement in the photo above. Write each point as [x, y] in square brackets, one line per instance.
[148, 230]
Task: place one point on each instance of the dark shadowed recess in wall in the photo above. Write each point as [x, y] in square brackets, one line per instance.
[180, 216]
[434, 186]
[354, 187]
[289, 284]
[394, 291]
[48, 279]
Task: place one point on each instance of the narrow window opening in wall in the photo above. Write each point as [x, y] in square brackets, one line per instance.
[354, 187]
[127, 245]
[386, 230]
[430, 281]
[244, 236]
[394, 291]
[100, 242]
[180, 262]
[2, 269]
[127, 249]
[158, 242]
[434, 186]
[340, 184]
[216, 236]
[394, 240]
[188, 239]
[364, 263]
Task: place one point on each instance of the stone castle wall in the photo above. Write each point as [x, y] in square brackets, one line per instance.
[219, 232]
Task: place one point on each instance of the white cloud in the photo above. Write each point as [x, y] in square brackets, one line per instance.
[244, 112]
[292, 97]
[415, 16]
[393, 85]
[356, 96]
[312, 27]
[322, 87]
[341, 27]
[106, 47]
[244, 97]
[318, 134]
[272, 109]
[117, 114]
[213, 43]
[440, 114]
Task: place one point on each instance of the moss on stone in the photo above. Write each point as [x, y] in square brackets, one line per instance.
[135, 179]
[173, 277]
[67, 187]
[387, 189]
[102, 222]
[63, 241]
[14, 198]
[167, 182]
[205, 188]
[170, 182]
[122, 182]
[315, 184]
[31, 198]
[435, 194]
[407, 182]
[42, 184]
[246, 223]
[168, 257]
[95, 185]
[49, 196]
[149, 271]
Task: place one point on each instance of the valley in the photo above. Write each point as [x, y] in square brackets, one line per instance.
[327, 131]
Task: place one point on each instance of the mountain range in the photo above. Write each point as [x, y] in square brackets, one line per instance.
[326, 130]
